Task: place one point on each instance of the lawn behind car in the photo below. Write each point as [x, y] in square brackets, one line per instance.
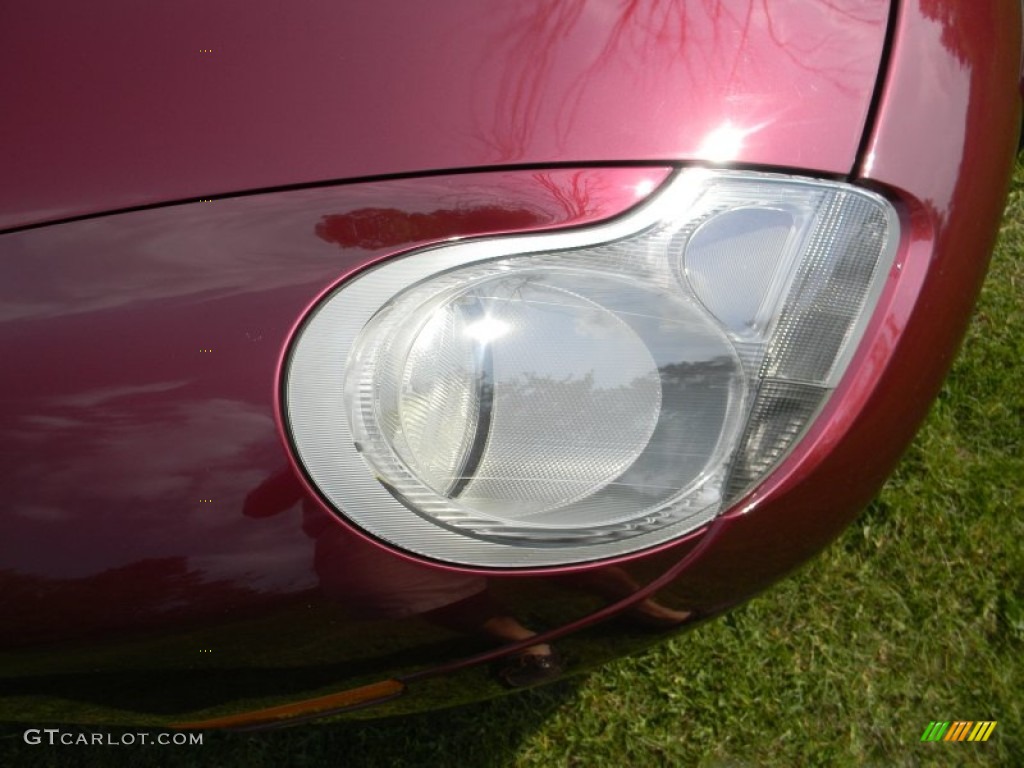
[915, 614]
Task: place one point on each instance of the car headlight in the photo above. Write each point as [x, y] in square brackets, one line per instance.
[549, 399]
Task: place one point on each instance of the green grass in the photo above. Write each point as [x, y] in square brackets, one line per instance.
[915, 614]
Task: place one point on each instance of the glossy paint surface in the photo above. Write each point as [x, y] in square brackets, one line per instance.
[146, 486]
[954, 65]
[138, 421]
[117, 104]
[239, 578]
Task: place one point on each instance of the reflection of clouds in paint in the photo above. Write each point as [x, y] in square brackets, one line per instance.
[121, 455]
[931, 80]
[239, 245]
[118, 483]
[941, 80]
[96, 397]
[41, 421]
[260, 559]
[152, 255]
[42, 513]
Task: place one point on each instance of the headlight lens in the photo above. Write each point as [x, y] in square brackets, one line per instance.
[549, 399]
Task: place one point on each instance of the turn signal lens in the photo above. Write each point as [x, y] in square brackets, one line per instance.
[549, 399]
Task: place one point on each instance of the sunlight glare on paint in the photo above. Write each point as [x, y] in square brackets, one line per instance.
[643, 188]
[724, 143]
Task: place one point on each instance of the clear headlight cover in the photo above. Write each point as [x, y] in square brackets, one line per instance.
[549, 399]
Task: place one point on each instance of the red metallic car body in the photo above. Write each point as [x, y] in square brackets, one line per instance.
[182, 184]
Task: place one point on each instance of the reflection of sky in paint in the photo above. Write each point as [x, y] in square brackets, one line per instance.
[937, 80]
[112, 457]
[793, 78]
[237, 246]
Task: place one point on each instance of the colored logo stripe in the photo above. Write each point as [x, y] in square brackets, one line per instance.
[982, 731]
[960, 730]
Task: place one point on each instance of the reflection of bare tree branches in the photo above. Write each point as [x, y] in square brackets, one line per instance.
[792, 50]
[648, 36]
[640, 24]
[575, 196]
[678, 374]
[531, 393]
[949, 16]
[374, 228]
[532, 41]
[576, 200]
[555, 403]
[847, 9]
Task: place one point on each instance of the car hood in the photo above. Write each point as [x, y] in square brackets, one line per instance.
[116, 104]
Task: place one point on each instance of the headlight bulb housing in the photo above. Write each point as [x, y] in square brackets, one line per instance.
[544, 400]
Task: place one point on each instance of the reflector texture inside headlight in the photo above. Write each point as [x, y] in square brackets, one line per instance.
[549, 399]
